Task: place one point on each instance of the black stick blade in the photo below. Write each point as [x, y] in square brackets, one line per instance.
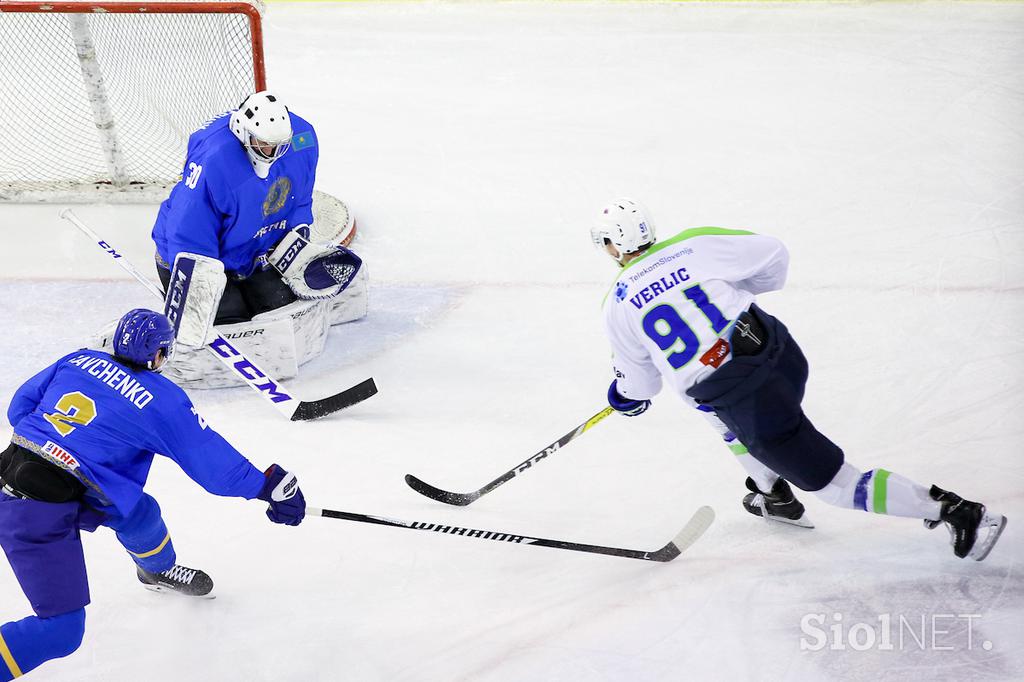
[315, 409]
[446, 496]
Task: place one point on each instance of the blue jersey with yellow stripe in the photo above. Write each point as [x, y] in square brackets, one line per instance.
[222, 209]
[104, 421]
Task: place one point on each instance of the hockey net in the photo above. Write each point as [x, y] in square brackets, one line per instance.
[100, 97]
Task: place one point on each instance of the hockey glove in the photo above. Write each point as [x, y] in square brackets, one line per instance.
[281, 490]
[313, 271]
[630, 408]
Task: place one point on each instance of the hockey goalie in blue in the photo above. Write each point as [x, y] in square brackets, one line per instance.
[236, 201]
[241, 236]
[86, 430]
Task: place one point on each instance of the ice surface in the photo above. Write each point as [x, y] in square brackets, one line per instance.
[883, 142]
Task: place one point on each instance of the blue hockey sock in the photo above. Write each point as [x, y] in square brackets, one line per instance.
[144, 534]
[30, 642]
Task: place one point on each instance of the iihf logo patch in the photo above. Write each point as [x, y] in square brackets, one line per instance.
[620, 291]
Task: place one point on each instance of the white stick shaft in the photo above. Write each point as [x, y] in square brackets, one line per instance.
[69, 215]
[228, 354]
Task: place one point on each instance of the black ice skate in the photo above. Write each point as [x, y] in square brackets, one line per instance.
[778, 505]
[972, 529]
[188, 581]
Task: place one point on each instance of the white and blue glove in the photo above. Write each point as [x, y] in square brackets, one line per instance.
[281, 491]
[311, 270]
[630, 408]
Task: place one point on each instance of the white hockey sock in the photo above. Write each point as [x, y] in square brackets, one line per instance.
[763, 477]
[881, 492]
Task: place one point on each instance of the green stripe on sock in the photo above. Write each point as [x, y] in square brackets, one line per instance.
[738, 448]
[881, 490]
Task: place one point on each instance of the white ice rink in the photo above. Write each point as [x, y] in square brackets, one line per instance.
[884, 143]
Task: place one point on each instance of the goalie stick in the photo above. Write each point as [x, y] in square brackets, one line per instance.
[236, 361]
[691, 532]
[462, 499]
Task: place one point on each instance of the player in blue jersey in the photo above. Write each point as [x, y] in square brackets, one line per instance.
[682, 312]
[86, 429]
[236, 238]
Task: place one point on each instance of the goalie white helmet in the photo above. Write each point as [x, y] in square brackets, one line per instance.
[624, 224]
[264, 128]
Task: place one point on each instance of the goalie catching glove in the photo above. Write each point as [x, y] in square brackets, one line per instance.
[311, 270]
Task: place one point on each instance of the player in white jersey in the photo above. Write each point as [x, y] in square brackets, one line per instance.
[682, 312]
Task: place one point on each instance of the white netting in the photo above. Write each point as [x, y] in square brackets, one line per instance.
[156, 78]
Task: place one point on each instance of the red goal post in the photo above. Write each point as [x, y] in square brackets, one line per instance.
[101, 97]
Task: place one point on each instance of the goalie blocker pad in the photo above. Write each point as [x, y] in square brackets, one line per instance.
[193, 294]
[313, 271]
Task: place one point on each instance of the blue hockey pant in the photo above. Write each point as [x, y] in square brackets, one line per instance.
[42, 541]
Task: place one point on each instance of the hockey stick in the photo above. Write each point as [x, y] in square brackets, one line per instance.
[691, 532]
[462, 499]
[235, 360]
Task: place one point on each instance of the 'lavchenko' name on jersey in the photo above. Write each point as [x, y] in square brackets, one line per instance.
[114, 377]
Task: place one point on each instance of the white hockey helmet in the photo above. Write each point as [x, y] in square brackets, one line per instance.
[625, 224]
[264, 128]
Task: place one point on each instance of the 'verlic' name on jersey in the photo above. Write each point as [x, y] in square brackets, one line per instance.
[670, 311]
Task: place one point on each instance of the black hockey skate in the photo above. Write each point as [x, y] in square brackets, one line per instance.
[778, 505]
[966, 520]
[188, 581]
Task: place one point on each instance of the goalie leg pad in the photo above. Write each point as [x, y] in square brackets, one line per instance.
[353, 303]
[232, 308]
[309, 325]
[193, 294]
[278, 341]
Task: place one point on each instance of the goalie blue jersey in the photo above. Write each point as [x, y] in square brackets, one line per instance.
[222, 209]
[103, 421]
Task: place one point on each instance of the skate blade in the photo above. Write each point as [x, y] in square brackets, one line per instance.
[168, 590]
[995, 523]
[802, 522]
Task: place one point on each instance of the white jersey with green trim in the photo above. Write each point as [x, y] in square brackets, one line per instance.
[670, 312]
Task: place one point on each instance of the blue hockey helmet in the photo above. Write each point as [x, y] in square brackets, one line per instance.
[140, 334]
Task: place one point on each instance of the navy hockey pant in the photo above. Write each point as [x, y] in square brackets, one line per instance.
[758, 397]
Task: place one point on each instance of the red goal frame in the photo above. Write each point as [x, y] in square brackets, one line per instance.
[130, 7]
